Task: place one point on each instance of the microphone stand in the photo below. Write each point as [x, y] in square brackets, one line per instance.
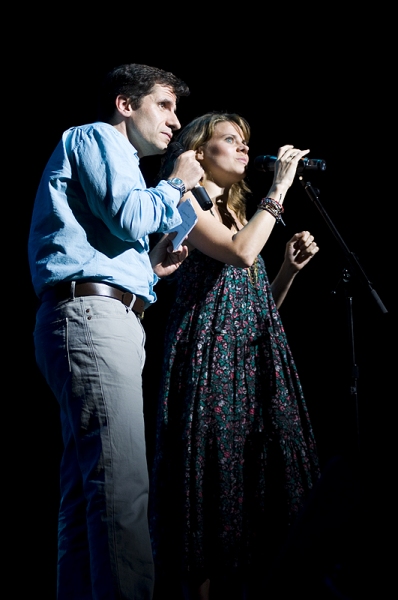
[353, 268]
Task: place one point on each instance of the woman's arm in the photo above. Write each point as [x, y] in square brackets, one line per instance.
[299, 251]
[241, 248]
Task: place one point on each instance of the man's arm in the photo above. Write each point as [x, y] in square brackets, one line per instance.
[164, 260]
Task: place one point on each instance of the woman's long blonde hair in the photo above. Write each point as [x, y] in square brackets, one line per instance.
[195, 134]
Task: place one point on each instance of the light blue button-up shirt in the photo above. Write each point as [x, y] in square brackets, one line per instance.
[93, 214]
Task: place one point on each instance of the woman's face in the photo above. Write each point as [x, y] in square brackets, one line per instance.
[225, 155]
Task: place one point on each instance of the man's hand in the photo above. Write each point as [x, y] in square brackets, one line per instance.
[188, 169]
[164, 259]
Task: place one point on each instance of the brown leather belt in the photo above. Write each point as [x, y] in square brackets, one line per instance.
[74, 289]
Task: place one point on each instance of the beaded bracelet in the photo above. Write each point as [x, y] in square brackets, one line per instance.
[273, 207]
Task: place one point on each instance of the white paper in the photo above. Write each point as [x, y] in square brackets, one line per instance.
[189, 218]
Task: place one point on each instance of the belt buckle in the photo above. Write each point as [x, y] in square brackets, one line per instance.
[140, 315]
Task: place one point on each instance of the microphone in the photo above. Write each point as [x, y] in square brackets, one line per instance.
[267, 163]
[174, 150]
[202, 197]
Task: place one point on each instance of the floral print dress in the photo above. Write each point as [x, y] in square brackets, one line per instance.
[235, 455]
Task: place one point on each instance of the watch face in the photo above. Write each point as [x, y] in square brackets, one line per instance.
[178, 184]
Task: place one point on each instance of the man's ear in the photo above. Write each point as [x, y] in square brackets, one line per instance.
[123, 105]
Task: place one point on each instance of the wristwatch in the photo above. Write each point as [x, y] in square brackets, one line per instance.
[178, 184]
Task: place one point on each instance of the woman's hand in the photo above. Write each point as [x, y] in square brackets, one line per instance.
[300, 249]
[286, 165]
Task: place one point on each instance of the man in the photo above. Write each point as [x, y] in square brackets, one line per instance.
[92, 270]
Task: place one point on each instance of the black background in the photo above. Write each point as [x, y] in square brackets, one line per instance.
[314, 80]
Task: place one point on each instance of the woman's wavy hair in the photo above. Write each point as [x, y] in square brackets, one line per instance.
[195, 134]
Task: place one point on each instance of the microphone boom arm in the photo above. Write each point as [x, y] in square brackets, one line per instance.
[350, 256]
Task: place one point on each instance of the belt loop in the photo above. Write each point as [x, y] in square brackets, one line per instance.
[72, 289]
[133, 299]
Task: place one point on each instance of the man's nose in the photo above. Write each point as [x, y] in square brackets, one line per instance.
[173, 122]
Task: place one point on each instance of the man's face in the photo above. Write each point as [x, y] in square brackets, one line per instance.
[150, 127]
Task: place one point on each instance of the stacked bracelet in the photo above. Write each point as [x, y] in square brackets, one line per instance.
[273, 207]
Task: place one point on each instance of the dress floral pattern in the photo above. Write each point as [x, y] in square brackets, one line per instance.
[235, 455]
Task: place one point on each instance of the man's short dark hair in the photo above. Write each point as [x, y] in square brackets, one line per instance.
[135, 81]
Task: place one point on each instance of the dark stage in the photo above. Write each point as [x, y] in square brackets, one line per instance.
[341, 332]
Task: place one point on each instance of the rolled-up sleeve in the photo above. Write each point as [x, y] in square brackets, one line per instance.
[109, 173]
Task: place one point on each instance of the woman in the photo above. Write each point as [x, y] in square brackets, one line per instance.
[235, 455]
